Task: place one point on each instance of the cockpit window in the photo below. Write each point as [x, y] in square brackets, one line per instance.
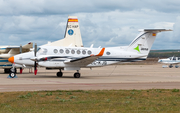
[174, 58]
[170, 58]
[42, 51]
[38, 49]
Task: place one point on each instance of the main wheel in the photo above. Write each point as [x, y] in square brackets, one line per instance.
[170, 66]
[77, 75]
[176, 66]
[59, 74]
[12, 75]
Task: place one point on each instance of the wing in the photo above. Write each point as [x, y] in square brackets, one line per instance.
[85, 60]
[16, 50]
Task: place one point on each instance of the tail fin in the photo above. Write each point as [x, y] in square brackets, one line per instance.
[143, 42]
[73, 31]
[72, 34]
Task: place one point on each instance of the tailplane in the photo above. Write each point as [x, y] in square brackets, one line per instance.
[143, 42]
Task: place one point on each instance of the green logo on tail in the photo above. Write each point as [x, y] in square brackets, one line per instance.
[137, 48]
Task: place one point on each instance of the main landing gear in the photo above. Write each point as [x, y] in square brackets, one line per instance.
[176, 66]
[59, 74]
[76, 75]
[170, 66]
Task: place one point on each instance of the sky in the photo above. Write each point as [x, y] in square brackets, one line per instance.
[104, 23]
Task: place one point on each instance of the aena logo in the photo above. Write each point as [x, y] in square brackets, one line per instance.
[142, 49]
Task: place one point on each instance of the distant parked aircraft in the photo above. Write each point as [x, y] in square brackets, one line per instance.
[170, 61]
[9, 51]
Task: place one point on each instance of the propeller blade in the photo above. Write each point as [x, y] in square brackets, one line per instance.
[21, 70]
[35, 49]
[35, 68]
[20, 50]
[35, 64]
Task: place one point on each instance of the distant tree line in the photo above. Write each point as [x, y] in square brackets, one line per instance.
[163, 54]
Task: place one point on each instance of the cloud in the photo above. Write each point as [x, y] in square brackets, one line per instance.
[102, 23]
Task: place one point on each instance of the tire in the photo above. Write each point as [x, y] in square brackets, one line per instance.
[59, 74]
[12, 75]
[77, 75]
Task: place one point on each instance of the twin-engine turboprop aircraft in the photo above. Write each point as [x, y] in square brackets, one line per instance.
[171, 61]
[74, 58]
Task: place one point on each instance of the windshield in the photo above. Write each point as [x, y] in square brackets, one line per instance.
[42, 51]
[38, 49]
[170, 58]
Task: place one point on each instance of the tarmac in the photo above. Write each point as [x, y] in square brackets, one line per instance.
[113, 77]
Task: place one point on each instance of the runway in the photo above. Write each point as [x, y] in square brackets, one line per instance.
[103, 78]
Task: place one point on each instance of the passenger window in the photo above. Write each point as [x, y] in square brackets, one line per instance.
[78, 51]
[55, 50]
[83, 52]
[61, 51]
[108, 53]
[89, 52]
[67, 51]
[72, 51]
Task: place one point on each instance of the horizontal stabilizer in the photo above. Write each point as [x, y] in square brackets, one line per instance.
[155, 30]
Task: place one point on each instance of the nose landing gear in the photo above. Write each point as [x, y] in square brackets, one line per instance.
[12, 73]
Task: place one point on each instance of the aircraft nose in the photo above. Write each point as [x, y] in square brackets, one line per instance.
[159, 60]
[11, 59]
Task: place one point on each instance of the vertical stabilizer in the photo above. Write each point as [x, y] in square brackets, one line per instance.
[72, 34]
[73, 31]
[143, 42]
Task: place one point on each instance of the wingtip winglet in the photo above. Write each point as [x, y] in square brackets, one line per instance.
[101, 52]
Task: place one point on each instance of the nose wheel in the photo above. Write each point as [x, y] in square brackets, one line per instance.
[12, 74]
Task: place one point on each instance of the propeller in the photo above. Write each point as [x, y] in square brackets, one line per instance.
[35, 63]
[20, 51]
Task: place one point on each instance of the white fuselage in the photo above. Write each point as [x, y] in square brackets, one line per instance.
[170, 60]
[57, 56]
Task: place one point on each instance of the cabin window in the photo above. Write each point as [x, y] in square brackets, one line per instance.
[174, 58]
[178, 58]
[83, 52]
[67, 51]
[108, 53]
[89, 52]
[55, 50]
[78, 51]
[72, 51]
[61, 51]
